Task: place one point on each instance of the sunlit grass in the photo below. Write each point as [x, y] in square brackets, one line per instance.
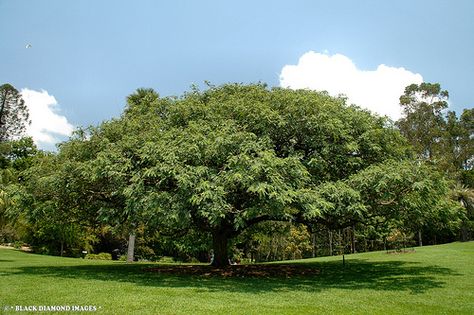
[431, 280]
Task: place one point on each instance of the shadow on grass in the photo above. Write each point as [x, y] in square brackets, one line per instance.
[358, 274]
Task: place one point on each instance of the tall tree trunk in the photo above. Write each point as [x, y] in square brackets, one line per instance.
[313, 240]
[62, 248]
[267, 257]
[131, 247]
[465, 235]
[341, 242]
[2, 107]
[420, 241]
[353, 239]
[330, 243]
[219, 244]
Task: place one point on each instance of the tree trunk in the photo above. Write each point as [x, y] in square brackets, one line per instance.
[353, 240]
[420, 241]
[62, 248]
[267, 257]
[131, 247]
[465, 235]
[2, 107]
[219, 244]
[313, 240]
[330, 243]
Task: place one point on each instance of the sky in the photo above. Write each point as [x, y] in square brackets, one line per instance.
[75, 62]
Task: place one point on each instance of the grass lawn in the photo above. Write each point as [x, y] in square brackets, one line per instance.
[431, 280]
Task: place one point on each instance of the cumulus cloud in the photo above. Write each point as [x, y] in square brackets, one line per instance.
[377, 90]
[48, 126]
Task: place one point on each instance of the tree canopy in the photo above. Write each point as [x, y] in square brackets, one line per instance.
[13, 113]
[227, 158]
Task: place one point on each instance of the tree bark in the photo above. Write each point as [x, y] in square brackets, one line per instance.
[420, 241]
[313, 241]
[131, 247]
[2, 107]
[465, 235]
[219, 244]
[353, 240]
[330, 243]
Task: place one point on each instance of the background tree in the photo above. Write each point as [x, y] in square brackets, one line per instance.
[458, 144]
[440, 137]
[103, 160]
[423, 122]
[465, 196]
[13, 113]
[16, 156]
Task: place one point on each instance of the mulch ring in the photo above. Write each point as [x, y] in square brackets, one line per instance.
[265, 271]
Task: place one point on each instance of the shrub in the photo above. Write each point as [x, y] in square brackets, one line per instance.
[100, 256]
[145, 253]
[167, 260]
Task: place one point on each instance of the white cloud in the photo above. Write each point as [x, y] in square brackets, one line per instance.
[47, 127]
[377, 90]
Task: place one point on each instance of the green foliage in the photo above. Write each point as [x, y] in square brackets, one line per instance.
[437, 135]
[423, 121]
[189, 245]
[16, 157]
[220, 161]
[399, 240]
[187, 172]
[232, 156]
[145, 253]
[272, 241]
[444, 140]
[343, 205]
[47, 200]
[100, 256]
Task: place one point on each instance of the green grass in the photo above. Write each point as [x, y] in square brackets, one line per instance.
[431, 280]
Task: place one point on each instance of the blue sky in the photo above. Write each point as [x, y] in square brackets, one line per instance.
[87, 56]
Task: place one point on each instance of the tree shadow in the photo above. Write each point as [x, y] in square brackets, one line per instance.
[358, 274]
[387, 275]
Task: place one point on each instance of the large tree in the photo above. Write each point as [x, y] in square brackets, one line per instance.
[230, 157]
[13, 113]
[226, 159]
